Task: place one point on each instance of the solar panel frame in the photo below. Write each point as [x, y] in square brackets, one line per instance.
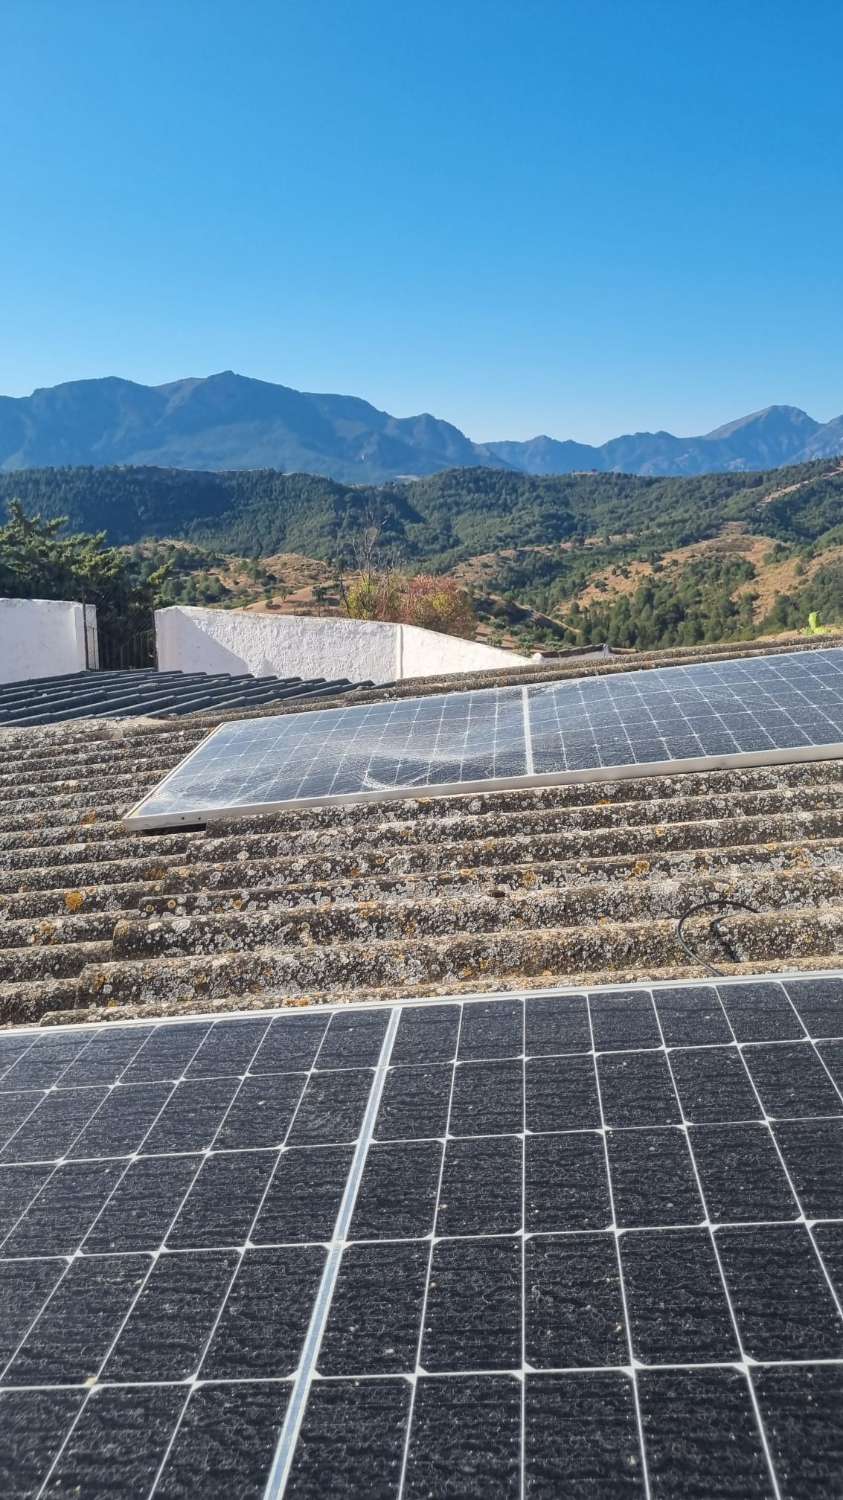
[722, 715]
[705, 1383]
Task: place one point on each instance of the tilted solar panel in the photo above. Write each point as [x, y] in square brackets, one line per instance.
[585, 1243]
[778, 708]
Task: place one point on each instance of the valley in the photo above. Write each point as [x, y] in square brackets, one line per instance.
[548, 561]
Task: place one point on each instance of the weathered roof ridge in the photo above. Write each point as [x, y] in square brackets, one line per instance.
[550, 671]
[485, 891]
[193, 726]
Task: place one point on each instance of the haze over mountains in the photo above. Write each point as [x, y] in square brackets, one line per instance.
[229, 421]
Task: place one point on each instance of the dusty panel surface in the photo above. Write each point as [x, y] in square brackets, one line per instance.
[582, 1241]
[705, 713]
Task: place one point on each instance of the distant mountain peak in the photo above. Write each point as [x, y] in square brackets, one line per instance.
[782, 416]
[231, 421]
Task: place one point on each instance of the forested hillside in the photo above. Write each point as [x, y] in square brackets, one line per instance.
[637, 561]
[441, 519]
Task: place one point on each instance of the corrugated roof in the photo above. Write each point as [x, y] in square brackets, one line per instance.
[464, 894]
[126, 694]
[538, 1242]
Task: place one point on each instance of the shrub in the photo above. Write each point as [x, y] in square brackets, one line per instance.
[438, 604]
[430, 602]
[374, 596]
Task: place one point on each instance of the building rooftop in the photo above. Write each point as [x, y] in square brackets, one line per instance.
[128, 694]
[588, 883]
[440, 1147]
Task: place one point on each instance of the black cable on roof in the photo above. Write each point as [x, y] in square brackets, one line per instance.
[713, 925]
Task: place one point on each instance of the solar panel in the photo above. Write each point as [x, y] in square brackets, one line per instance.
[568, 1243]
[760, 710]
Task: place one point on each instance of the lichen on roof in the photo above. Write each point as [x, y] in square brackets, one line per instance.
[490, 891]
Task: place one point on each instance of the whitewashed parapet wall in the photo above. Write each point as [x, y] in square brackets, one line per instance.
[45, 638]
[429, 653]
[222, 640]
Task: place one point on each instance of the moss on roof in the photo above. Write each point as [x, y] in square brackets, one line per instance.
[491, 891]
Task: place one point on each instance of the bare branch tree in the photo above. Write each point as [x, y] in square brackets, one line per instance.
[371, 556]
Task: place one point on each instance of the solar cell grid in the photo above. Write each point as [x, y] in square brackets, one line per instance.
[593, 1240]
[778, 707]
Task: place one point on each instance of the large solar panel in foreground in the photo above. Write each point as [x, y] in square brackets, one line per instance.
[584, 1244]
[786, 707]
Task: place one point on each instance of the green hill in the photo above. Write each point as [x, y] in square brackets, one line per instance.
[439, 520]
[603, 556]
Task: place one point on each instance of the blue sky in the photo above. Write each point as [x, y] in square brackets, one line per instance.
[581, 217]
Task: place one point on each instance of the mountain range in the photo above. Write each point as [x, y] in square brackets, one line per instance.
[229, 421]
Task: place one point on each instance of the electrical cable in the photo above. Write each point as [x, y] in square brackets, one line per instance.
[713, 925]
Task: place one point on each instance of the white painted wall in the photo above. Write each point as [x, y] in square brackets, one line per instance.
[43, 638]
[220, 640]
[429, 653]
